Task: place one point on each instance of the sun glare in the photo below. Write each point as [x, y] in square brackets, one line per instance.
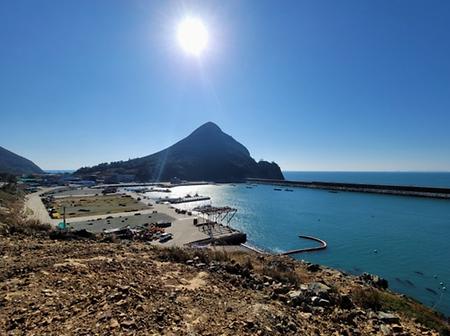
[192, 36]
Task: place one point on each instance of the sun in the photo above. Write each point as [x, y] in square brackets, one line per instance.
[192, 36]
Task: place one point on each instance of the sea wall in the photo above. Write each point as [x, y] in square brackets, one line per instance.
[430, 192]
[234, 238]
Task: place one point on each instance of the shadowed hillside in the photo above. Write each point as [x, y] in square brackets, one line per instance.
[12, 163]
[206, 154]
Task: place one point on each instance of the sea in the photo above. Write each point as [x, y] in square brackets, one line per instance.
[406, 240]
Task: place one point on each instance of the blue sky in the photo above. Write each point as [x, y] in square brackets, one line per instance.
[312, 85]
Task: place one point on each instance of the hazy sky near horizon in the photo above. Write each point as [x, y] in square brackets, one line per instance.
[312, 85]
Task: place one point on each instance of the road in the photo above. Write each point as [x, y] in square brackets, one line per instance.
[35, 209]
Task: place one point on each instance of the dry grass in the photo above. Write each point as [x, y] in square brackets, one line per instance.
[181, 255]
[279, 269]
[97, 205]
[368, 298]
[371, 298]
[13, 220]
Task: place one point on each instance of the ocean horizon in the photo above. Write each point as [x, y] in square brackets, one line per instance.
[404, 178]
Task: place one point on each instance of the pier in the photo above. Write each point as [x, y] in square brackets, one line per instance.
[323, 246]
[178, 200]
[429, 192]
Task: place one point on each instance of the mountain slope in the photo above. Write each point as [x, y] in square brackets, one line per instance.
[206, 154]
[14, 164]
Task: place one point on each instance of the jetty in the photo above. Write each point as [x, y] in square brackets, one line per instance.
[323, 246]
[399, 190]
[186, 199]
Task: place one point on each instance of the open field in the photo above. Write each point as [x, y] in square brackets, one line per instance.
[79, 192]
[133, 221]
[97, 205]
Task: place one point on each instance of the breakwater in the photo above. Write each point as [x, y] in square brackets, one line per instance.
[323, 245]
[179, 200]
[233, 238]
[430, 192]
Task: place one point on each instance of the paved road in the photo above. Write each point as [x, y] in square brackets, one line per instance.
[35, 209]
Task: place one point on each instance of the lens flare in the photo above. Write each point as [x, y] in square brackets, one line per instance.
[192, 36]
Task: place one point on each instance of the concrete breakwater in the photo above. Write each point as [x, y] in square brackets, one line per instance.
[430, 192]
[178, 200]
[233, 238]
[323, 245]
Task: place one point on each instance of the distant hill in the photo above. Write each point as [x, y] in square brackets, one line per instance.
[207, 154]
[12, 163]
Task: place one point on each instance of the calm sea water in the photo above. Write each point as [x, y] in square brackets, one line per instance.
[438, 179]
[410, 234]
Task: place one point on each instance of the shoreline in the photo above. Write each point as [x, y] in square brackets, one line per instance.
[186, 233]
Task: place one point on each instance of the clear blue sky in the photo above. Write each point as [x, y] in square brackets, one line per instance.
[312, 85]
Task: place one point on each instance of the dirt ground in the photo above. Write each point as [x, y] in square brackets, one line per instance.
[50, 287]
[97, 205]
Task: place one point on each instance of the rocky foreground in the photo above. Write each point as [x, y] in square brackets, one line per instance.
[86, 287]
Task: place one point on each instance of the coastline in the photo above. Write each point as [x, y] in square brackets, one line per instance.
[185, 233]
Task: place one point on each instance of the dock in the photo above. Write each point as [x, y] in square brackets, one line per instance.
[398, 190]
[179, 200]
[323, 246]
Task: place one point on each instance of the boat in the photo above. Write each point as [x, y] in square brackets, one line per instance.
[277, 189]
[288, 189]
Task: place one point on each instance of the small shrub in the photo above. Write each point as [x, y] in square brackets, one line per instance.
[221, 256]
[415, 310]
[281, 273]
[28, 227]
[368, 298]
[176, 254]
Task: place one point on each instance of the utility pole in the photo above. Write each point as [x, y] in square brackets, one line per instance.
[64, 217]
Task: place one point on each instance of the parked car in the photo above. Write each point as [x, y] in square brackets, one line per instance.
[165, 237]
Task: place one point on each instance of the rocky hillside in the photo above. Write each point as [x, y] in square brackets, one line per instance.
[207, 154]
[88, 287]
[12, 163]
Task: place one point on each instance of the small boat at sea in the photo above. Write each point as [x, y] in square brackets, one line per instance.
[333, 191]
[418, 272]
[288, 189]
[248, 187]
[277, 189]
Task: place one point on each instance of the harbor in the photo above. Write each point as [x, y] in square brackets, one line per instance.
[131, 213]
[351, 224]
